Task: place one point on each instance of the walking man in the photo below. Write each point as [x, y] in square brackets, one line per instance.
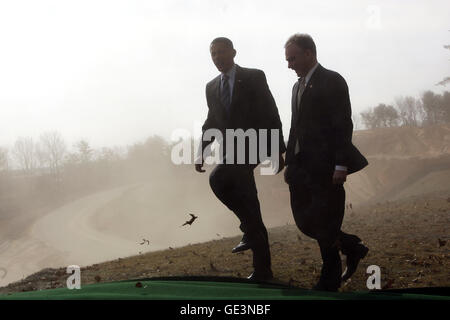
[239, 98]
[319, 156]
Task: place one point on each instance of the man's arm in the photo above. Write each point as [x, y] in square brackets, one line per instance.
[342, 128]
[269, 116]
[209, 123]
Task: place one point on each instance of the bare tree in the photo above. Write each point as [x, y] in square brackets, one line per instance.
[446, 106]
[411, 111]
[381, 116]
[387, 115]
[85, 152]
[4, 163]
[53, 152]
[368, 119]
[24, 153]
[355, 120]
[433, 106]
[41, 156]
[4, 173]
[83, 155]
[446, 79]
[107, 154]
[444, 82]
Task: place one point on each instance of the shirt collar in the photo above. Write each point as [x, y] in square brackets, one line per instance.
[231, 73]
[310, 73]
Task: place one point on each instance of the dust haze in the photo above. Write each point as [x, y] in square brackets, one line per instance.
[115, 78]
[101, 204]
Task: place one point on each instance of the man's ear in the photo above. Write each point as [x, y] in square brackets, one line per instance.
[234, 53]
[308, 53]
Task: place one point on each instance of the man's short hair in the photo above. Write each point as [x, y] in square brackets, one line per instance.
[224, 40]
[302, 40]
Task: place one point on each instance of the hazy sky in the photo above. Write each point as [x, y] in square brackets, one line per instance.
[116, 72]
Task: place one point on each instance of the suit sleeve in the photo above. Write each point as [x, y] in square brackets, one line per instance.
[342, 121]
[209, 123]
[269, 116]
[291, 139]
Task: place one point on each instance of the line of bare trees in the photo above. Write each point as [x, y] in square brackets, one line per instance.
[429, 109]
[46, 171]
[46, 154]
[51, 156]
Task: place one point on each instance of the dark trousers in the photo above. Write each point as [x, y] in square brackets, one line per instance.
[318, 207]
[235, 186]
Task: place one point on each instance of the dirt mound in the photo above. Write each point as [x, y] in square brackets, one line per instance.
[400, 161]
[408, 239]
[404, 142]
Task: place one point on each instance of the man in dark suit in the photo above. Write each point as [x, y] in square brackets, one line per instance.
[319, 156]
[239, 98]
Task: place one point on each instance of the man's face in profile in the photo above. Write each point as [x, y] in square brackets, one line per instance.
[298, 59]
[222, 56]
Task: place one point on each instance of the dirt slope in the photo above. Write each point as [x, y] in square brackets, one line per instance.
[408, 239]
[404, 162]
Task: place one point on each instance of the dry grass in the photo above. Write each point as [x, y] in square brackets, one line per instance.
[403, 238]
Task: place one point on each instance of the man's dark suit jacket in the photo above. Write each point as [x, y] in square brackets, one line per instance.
[323, 126]
[252, 106]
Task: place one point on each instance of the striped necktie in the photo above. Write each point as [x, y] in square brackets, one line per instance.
[301, 89]
[225, 93]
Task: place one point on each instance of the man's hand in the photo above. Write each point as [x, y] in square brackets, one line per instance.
[286, 177]
[199, 167]
[339, 176]
[281, 164]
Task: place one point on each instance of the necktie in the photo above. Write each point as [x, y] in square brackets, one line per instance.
[225, 93]
[301, 89]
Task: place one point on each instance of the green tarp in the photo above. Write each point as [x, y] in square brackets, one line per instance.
[207, 289]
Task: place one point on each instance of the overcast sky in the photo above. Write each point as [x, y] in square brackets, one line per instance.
[116, 72]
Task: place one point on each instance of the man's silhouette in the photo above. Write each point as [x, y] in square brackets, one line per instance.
[239, 98]
[319, 156]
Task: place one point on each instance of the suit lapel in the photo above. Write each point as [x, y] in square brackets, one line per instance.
[311, 81]
[236, 89]
[220, 109]
[215, 88]
[294, 102]
[310, 87]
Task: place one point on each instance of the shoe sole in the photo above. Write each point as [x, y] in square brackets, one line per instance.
[362, 256]
[366, 250]
[240, 249]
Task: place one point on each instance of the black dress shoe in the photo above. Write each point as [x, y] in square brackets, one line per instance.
[261, 275]
[353, 258]
[242, 246]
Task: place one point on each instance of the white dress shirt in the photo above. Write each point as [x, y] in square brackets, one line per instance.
[231, 77]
